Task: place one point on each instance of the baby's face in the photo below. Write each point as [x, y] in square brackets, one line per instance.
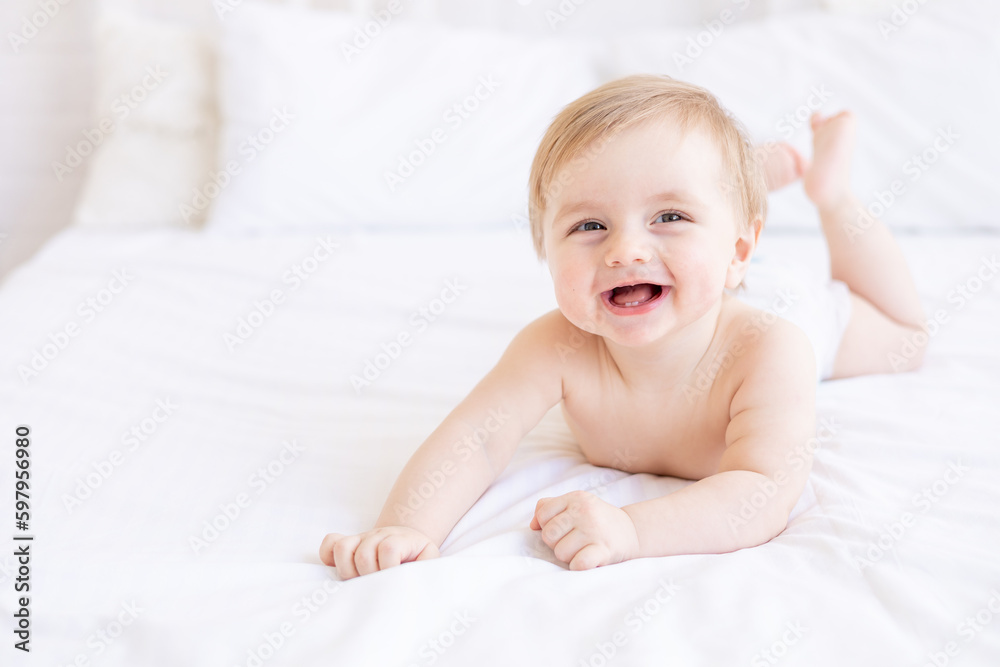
[649, 208]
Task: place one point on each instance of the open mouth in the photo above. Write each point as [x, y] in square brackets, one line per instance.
[631, 296]
[634, 299]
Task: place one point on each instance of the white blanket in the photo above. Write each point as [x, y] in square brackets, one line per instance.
[149, 425]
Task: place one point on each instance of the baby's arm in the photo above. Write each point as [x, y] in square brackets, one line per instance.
[457, 462]
[772, 417]
[765, 465]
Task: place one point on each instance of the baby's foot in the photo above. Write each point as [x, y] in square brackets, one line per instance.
[827, 181]
[782, 165]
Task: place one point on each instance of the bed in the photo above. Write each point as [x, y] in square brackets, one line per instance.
[205, 404]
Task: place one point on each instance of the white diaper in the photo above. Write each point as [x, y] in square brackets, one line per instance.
[820, 309]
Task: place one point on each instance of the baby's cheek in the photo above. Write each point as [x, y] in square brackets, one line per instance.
[574, 306]
[699, 283]
[564, 292]
[570, 303]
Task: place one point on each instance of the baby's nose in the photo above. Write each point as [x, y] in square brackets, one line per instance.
[627, 248]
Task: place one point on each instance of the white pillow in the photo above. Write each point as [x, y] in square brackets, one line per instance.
[365, 108]
[925, 87]
[418, 125]
[153, 141]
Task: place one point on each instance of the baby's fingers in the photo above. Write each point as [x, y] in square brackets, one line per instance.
[379, 551]
[366, 553]
[428, 552]
[589, 557]
[326, 548]
[396, 550]
[545, 509]
[375, 550]
[343, 556]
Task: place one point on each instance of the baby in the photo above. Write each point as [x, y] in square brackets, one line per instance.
[647, 201]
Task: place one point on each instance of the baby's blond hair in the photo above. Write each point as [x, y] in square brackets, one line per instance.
[582, 129]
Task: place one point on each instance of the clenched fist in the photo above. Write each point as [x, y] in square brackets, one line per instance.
[585, 531]
[375, 550]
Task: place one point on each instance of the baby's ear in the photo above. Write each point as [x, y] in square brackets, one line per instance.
[746, 243]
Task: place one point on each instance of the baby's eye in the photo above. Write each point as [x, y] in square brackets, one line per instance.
[669, 217]
[583, 226]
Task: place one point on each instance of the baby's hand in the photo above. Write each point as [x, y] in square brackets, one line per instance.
[375, 550]
[585, 531]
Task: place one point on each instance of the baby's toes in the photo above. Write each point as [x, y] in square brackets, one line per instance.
[795, 163]
[839, 123]
[782, 166]
[801, 164]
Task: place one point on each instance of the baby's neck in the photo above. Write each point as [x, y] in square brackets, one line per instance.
[670, 362]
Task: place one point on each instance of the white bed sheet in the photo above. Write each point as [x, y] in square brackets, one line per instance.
[257, 594]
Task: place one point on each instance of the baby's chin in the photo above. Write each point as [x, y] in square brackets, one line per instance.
[631, 339]
[582, 322]
[639, 335]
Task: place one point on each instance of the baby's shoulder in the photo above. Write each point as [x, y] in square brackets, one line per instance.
[554, 334]
[762, 342]
[552, 341]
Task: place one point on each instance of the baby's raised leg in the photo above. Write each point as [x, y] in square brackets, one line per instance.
[782, 164]
[885, 307]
